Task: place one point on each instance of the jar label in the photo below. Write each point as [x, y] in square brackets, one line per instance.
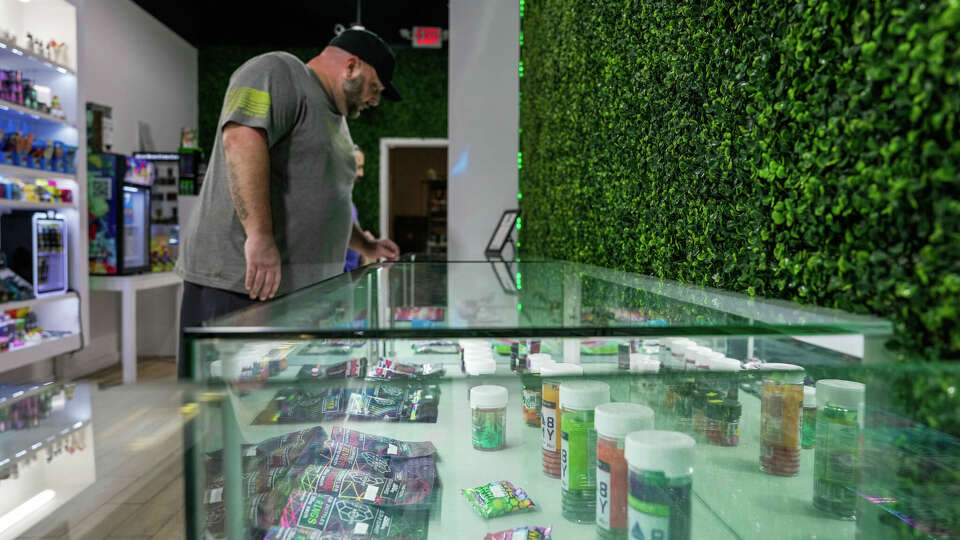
[530, 399]
[578, 453]
[648, 521]
[548, 429]
[603, 495]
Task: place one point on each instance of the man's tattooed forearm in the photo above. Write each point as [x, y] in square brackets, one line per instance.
[235, 194]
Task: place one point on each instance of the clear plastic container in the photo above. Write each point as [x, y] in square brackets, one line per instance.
[836, 460]
[613, 422]
[781, 403]
[550, 414]
[661, 484]
[488, 404]
[578, 448]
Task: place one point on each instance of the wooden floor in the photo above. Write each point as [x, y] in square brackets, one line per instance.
[139, 492]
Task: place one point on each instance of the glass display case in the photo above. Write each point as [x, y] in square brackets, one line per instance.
[443, 400]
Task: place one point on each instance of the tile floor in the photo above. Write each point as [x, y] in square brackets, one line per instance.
[139, 489]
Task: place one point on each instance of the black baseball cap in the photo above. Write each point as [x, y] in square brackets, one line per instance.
[368, 47]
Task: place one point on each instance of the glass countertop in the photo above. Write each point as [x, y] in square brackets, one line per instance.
[498, 298]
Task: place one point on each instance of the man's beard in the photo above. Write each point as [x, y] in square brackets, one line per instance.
[353, 94]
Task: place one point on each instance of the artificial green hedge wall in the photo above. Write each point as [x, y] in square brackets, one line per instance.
[802, 150]
[421, 78]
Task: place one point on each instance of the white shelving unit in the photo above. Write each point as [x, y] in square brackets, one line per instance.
[34, 114]
[49, 20]
[26, 172]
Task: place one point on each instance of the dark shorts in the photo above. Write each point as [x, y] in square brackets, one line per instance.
[202, 304]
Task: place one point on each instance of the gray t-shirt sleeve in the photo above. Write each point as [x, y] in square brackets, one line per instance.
[262, 94]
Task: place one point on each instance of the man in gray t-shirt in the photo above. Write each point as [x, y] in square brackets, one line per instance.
[274, 210]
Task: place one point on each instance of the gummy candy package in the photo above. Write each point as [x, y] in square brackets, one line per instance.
[355, 367]
[436, 347]
[498, 499]
[341, 455]
[404, 403]
[384, 446]
[387, 368]
[361, 486]
[313, 515]
[521, 533]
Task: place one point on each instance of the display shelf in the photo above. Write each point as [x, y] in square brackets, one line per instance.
[36, 115]
[34, 302]
[8, 396]
[74, 415]
[33, 205]
[27, 172]
[8, 50]
[460, 466]
[27, 354]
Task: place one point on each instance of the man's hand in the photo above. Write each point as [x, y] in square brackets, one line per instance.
[383, 248]
[263, 266]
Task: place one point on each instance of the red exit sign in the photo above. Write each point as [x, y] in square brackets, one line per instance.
[427, 36]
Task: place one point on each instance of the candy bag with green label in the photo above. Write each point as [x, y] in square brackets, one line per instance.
[498, 499]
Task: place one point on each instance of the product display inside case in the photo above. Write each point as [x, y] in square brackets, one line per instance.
[587, 403]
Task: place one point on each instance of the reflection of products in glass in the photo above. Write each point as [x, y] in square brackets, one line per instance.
[488, 406]
[436, 347]
[723, 422]
[614, 422]
[387, 368]
[355, 367]
[781, 405]
[661, 482]
[531, 397]
[434, 314]
[808, 429]
[578, 448]
[836, 463]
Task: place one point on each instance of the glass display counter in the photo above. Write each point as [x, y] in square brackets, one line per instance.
[352, 409]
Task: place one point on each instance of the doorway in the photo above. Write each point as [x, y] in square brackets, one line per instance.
[413, 194]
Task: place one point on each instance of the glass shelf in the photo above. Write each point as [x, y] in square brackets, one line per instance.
[544, 299]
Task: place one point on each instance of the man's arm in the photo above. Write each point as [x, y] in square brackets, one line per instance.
[371, 248]
[248, 163]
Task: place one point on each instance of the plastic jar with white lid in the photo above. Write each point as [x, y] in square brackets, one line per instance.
[614, 421]
[781, 405]
[550, 413]
[660, 483]
[578, 448]
[488, 405]
[836, 460]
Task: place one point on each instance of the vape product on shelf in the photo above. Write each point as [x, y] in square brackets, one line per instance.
[35, 244]
[119, 206]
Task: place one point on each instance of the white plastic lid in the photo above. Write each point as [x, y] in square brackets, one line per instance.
[809, 396]
[488, 396]
[616, 420]
[644, 363]
[667, 451]
[560, 369]
[650, 343]
[584, 394]
[726, 364]
[537, 360]
[790, 373]
[480, 367]
[846, 394]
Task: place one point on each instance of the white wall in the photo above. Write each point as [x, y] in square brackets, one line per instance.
[483, 141]
[482, 121]
[130, 61]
